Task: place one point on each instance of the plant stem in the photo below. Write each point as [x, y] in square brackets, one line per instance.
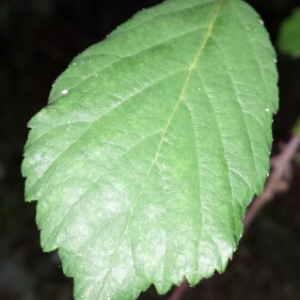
[278, 181]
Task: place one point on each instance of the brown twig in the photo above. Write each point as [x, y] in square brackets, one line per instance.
[179, 290]
[278, 182]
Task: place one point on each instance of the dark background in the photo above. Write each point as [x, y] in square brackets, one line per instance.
[38, 39]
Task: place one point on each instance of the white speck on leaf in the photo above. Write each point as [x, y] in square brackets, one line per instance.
[64, 92]
[267, 109]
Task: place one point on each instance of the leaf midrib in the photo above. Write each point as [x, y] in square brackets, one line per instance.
[180, 99]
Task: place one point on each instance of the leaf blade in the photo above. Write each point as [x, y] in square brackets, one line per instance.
[135, 127]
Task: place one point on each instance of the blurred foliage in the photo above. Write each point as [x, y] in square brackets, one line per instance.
[296, 129]
[289, 35]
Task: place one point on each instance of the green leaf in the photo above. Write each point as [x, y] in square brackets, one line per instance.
[289, 35]
[152, 146]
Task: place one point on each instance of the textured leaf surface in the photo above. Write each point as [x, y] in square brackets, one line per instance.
[289, 35]
[152, 146]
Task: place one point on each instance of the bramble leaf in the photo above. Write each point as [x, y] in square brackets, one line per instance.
[152, 146]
